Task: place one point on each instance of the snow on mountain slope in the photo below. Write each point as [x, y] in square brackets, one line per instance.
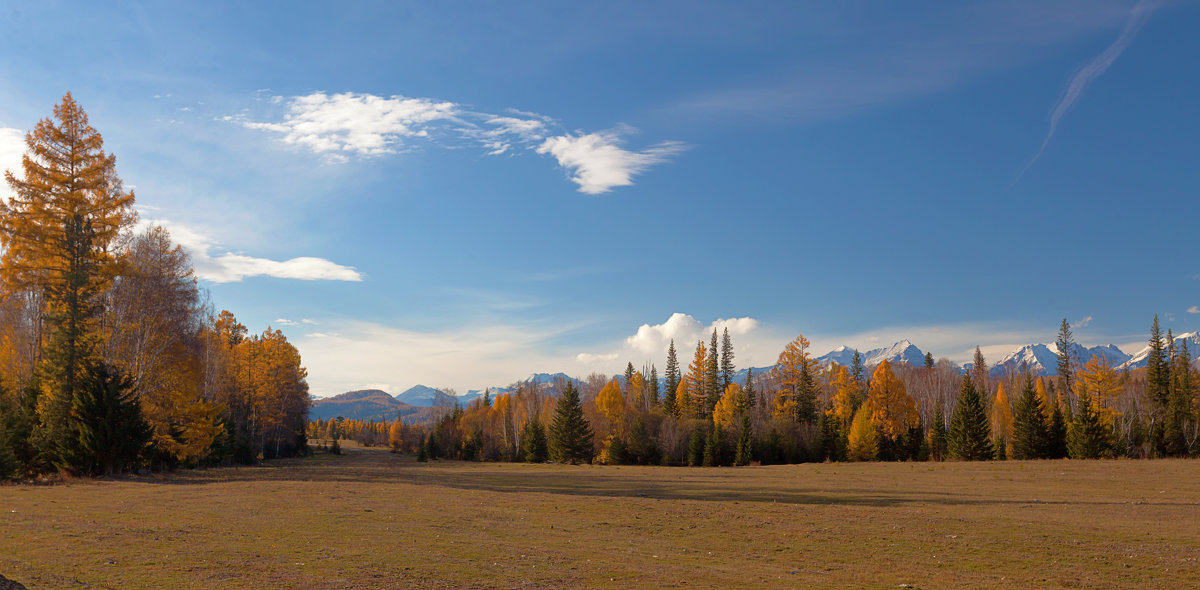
[1138, 360]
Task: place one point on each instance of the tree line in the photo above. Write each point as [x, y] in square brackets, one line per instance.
[111, 357]
[800, 411]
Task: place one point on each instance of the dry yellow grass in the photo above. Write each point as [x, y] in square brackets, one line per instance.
[373, 519]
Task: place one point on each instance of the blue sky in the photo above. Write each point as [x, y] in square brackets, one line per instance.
[461, 194]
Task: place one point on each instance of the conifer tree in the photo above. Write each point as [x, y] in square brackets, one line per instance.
[857, 369]
[672, 377]
[533, 442]
[107, 433]
[1031, 435]
[929, 360]
[1066, 362]
[712, 377]
[748, 388]
[697, 443]
[727, 366]
[979, 370]
[423, 451]
[830, 428]
[1056, 445]
[628, 375]
[1179, 405]
[654, 385]
[1088, 437]
[937, 436]
[744, 450]
[8, 459]
[969, 429]
[1157, 372]
[1001, 421]
[806, 397]
[570, 434]
[714, 448]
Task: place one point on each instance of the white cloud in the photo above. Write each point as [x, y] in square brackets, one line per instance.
[309, 322]
[339, 126]
[1082, 323]
[361, 124]
[229, 267]
[286, 322]
[12, 147]
[1194, 309]
[587, 358]
[597, 163]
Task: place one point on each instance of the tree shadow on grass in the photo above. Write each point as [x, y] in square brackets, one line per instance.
[654, 483]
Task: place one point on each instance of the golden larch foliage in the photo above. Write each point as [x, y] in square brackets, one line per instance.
[888, 402]
[862, 440]
[1001, 418]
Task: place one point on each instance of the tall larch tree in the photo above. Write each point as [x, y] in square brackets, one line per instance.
[888, 403]
[968, 438]
[697, 384]
[1001, 420]
[792, 374]
[59, 234]
[979, 372]
[863, 439]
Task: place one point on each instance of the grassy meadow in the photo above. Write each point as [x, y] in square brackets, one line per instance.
[373, 519]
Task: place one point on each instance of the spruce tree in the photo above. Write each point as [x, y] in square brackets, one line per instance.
[628, 375]
[714, 448]
[937, 436]
[748, 388]
[929, 360]
[654, 393]
[107, 433]
[979, 370]
[672, 381]
[857, 369]
[744, 445]
[969, 429]
[533, 442]
[1157, 370]
[697, 442]
[423, 451]
[806, 397]
[712, 377]
[1031, 436]
[9, 466]
[1066, 362]
[1056, 445]
[570, 434]
[1088, 437]
[1179, 411]
[727, 366]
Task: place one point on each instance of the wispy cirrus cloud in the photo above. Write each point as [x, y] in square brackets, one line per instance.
[1092, 70]
[1194, 309]
[344, 125]
[213, 263]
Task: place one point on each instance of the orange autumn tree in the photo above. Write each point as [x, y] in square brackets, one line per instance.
[695, 380]
[1002, 418]
[846, 388]
[794, 373]
[888, 403]
[59, 234]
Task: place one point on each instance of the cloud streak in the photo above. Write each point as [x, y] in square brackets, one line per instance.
[228, 267]
[345, 125]
[1092, 70]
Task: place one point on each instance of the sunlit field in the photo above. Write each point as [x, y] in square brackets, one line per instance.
[373, 519]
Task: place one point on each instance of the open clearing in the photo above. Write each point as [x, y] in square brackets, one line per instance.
[373, 519]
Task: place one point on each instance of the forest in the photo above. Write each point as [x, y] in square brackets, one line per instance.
[799, 411]
[112, 359]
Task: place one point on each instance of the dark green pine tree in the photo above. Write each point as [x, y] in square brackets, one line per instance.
[806, 397]
[1056, 441]
[533, 442]
[1088, 437]
[748, 388]
[929, 360]
[830, 446]
[937, 436]
[628, 374]
[727, 366]
[672, 381]
[969, 428]
[744, 445]
[696, 445]
[714, 448]
[423, 451]
[1031, 435]
[1157, 372]
[1066, 360]
[570, 434]
[654, 393]
[1179, 410]
[109, 433]
[9, 466]
[857, 370]
[712, 377]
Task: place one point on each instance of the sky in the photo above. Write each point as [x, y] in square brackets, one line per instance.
[461, 194]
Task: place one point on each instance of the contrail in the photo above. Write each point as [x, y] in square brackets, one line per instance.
[1091, 71]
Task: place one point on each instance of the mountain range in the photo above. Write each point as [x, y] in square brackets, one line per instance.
[420, 402]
